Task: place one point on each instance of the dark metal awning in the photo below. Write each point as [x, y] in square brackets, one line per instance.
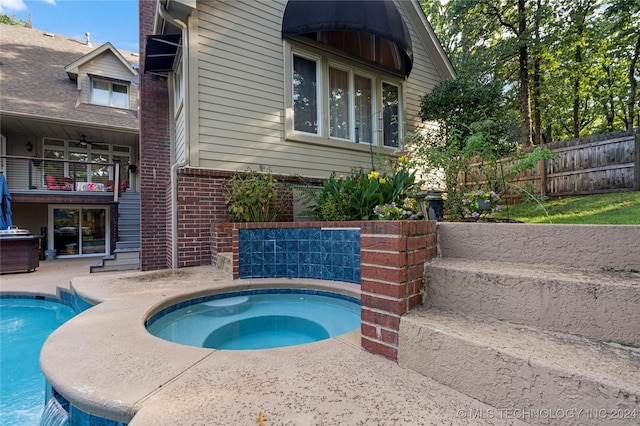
[377, 17]
[160, 52]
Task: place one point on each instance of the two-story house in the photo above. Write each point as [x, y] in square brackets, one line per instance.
[69, 139]
[300, 87]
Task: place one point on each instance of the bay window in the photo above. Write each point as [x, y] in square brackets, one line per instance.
[305, 97]
[339, 126]
[390, 112]
[353, 104]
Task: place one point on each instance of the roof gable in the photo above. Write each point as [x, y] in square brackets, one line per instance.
[105, 49]
[428, 38]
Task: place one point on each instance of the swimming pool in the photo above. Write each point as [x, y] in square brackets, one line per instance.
[257, 319]
[25, 324]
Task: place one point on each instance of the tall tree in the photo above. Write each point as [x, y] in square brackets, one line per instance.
[623, 16]
[562, 63]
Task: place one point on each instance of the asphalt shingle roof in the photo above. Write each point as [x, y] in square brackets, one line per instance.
[33, 81]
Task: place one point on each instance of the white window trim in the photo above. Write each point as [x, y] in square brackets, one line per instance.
[320, 98]
[400, 112]
[178, 87]
[341, 67]
[110, 83]
[324, 60]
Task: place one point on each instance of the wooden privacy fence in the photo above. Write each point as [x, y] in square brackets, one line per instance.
[591, 165]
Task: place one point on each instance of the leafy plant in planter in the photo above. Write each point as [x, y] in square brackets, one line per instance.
[354, 196]
[253, 196]
[480, 204]
[389, 212]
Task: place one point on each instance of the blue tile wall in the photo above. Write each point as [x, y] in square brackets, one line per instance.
[320, 253]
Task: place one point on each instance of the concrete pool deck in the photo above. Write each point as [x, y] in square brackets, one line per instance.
[106, 363]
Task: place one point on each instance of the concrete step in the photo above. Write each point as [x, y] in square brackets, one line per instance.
[602, 305]
[121, 260]
[550, 378]
[584, 247]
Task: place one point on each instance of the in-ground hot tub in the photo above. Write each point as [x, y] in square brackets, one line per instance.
[19, 251]
[257, 319]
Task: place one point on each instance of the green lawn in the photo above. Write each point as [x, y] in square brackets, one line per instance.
[622, 208]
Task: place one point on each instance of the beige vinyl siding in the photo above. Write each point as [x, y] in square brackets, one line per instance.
[108, 66]
[242, 88]
[424, 75]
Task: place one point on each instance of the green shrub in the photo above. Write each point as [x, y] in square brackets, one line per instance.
[354, 197]
[253, 196]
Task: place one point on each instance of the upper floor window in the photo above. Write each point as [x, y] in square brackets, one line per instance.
[351, 103]
[109, 93]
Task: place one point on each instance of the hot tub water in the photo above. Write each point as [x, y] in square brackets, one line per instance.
[258, 319]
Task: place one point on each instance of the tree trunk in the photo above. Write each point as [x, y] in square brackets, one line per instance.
[576, 92]
[537, 82]
[610, 108]
[523, 56]
[633, 90]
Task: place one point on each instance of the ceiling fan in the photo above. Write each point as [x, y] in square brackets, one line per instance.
[84, 141]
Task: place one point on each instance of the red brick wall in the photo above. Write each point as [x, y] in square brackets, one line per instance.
[201, 205]
[392, 258]
[154, 156]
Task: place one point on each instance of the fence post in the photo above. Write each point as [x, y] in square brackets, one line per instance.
[636, 169]
[543, 177]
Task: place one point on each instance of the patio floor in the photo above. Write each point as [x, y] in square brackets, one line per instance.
[332, 382]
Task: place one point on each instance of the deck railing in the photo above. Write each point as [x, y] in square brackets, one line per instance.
[49, 174]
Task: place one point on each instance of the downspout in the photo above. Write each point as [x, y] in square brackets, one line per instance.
[174, 168]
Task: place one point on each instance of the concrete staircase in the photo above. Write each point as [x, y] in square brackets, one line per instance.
[541, 322]
[126, 255]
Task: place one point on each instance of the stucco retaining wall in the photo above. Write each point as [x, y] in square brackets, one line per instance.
[586, 247]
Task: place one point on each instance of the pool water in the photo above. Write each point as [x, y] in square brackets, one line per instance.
[244, 320]
[25, 324]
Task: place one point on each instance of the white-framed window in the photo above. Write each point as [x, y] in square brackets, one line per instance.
[81, 159]
[178, 86]
[109, 93]
[340, 100]
[305, 83]
[391, 118]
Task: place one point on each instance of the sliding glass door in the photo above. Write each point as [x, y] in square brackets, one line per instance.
[78, 230]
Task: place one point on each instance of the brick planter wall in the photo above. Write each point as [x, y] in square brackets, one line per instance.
[393, 255]
[202, 215]
[392, 259]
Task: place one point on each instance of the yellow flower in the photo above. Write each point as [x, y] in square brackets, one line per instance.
[382, 181]
[373, 175]
[403, 159]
